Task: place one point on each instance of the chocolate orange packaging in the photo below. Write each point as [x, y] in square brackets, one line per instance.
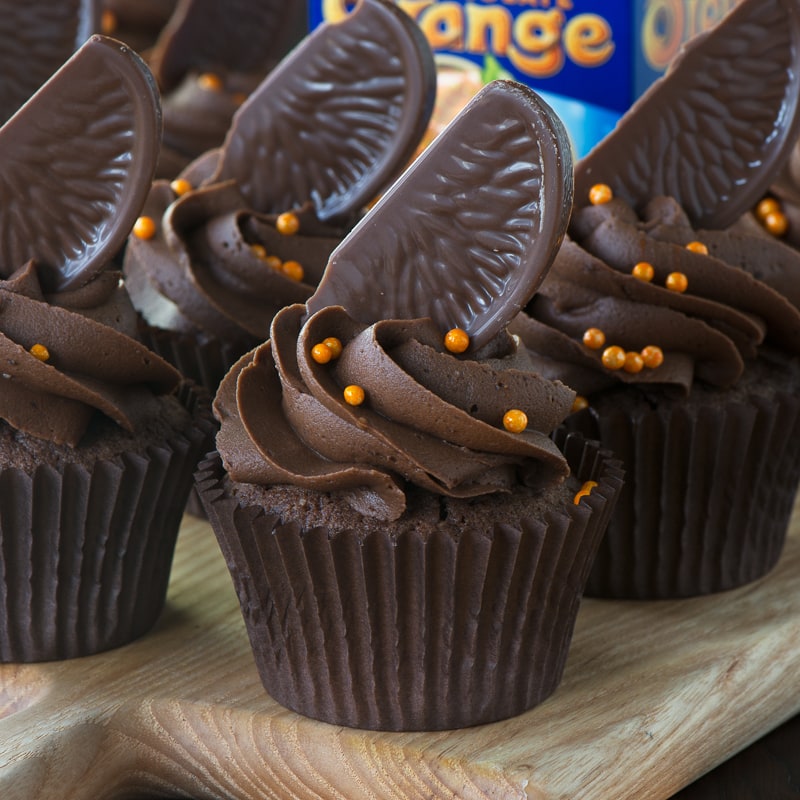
[99, 437]
[680, 328]
[407, 528]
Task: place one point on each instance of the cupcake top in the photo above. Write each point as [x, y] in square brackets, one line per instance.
[658, 284]
[248, 228]
[399, 369]
[77, 160]
[207, 60]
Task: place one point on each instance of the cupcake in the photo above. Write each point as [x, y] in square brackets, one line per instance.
[402, 530]
[679, 329]
[99, 437]
[36, 38]
[248, 228]
[207, 61]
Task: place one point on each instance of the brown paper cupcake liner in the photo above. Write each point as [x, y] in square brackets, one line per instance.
[708, 493]
[412, 632]
[85, 555]
[202, 360]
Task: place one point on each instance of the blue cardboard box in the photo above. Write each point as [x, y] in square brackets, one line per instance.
[589, 59]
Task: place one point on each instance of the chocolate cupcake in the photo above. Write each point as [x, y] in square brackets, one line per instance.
[402, 531]
[680, 329]
[208, 60]
[248, 228]
[98, 436]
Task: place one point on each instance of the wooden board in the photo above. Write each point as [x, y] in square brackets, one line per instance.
[654, 695]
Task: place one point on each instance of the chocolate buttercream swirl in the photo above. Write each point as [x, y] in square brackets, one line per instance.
[88, 365]
[741, 294]
[430, 418]
[201, 273]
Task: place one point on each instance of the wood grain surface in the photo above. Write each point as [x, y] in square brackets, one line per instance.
[654, 695]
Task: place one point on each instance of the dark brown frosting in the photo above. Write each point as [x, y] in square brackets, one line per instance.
[91, 367]
[736, 299]
[431, 419]
[199, 274]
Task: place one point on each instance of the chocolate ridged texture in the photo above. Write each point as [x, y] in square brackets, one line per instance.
[76, 165]
[85, 555]
[337, 119]
[36, 38]
[405, 633]
[712, 132]
[707, 498]
[496, 191]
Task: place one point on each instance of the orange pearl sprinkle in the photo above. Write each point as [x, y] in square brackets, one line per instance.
[321, 353]
[600, 193]
[633, 362]
[776, 223]
[293, 270]
[515, 421]
[652, 356]
[354, 395]
[697, 247]
[769, 205]
[273, 262]
[613, 357]
[210, 82]
[41, 352]
[180, 186]
[334, 345]
[643, 271]
[144, 228]
[585, 491]
[677, 282]
[594, 338]
[258, 250]
[579, 403]
[287, 223]
[108, 22]
[456, 340]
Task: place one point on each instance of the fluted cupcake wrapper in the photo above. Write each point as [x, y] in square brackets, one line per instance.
[707, 499]
[412, 632]
[85, 555]
[204, 361]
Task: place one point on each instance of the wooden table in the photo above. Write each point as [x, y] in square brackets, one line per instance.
[654, 695]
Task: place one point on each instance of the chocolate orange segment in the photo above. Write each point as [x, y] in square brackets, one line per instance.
[712, 132]
[468, 232]
[76, 163]
[337, 118]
